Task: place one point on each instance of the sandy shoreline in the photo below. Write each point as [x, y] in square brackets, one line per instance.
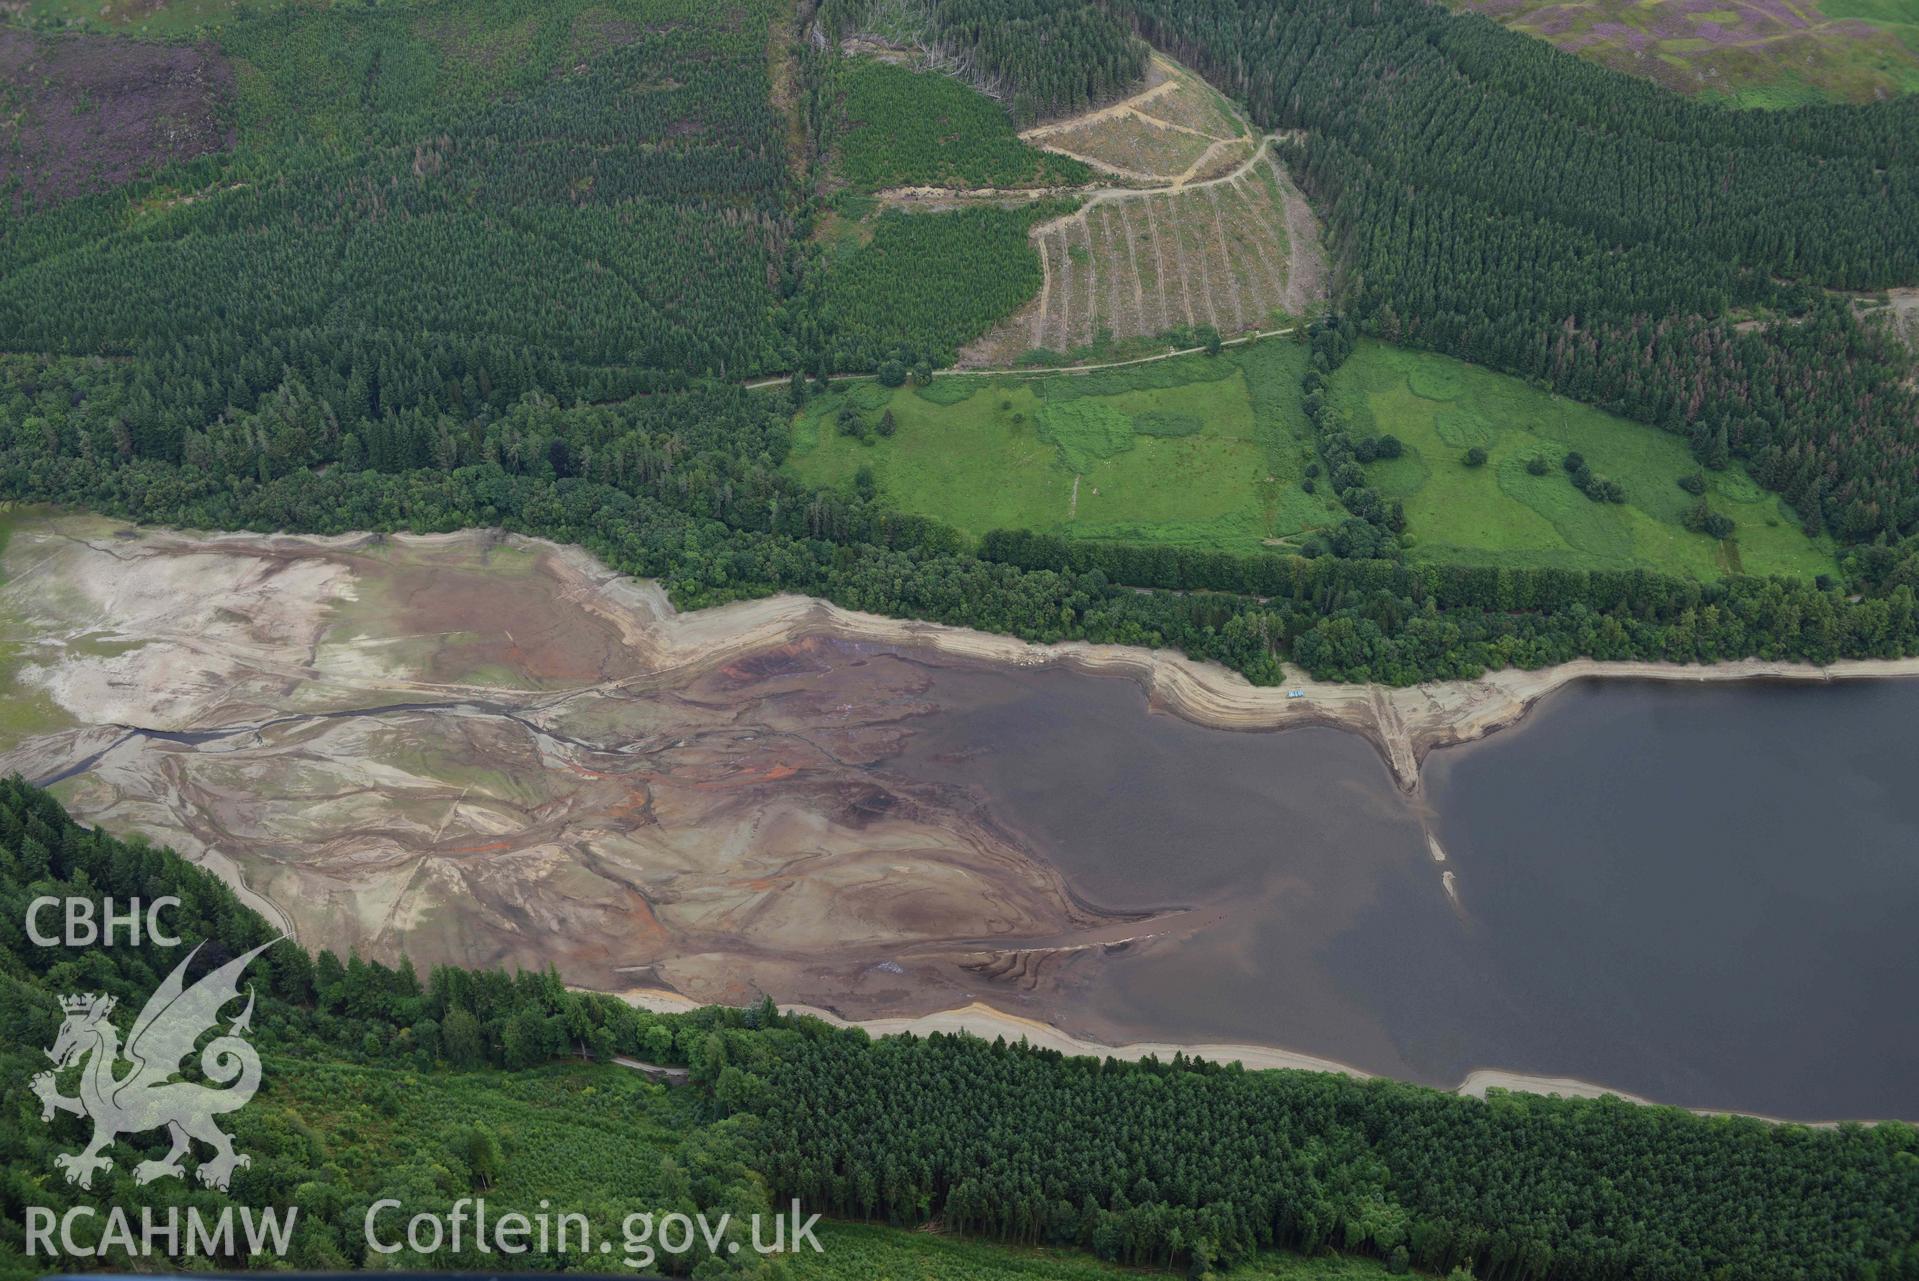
[1404, 724]
[985, 1022]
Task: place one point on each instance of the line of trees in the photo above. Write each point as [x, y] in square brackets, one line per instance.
[1185, 1162]
[688, 488]
[1039, 57]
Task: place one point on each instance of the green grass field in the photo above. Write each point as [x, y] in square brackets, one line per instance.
[24, 709]
[1198, 451]
[1501, 514]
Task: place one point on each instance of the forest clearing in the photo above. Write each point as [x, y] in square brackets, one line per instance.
[1205, 229]
[1177, 129]
[1752, 53]
[1185, 217]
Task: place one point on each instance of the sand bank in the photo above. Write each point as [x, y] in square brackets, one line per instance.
[987, 1023]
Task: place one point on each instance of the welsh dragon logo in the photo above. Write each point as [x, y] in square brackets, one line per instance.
[146, 1097]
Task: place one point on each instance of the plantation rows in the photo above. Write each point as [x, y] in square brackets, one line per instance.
[1136, 266]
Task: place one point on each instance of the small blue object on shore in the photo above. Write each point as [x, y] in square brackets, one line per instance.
[1295, 693]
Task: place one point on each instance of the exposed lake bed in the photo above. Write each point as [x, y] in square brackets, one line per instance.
[490, 751]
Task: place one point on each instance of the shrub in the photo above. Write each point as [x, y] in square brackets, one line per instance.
[1701, 519]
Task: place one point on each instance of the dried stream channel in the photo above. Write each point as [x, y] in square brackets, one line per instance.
[493, 752]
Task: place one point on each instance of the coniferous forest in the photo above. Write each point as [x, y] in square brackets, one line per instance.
[571, 267]
[495, 271]
[1039, 57]
[423, 215]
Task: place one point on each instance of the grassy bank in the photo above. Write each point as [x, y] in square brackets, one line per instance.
[24, 709]
[1213, 452]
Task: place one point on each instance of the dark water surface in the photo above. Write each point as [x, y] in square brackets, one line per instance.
[1710, 891]
[1705, 895]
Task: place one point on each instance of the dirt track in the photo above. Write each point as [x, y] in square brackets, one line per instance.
[1169, 247]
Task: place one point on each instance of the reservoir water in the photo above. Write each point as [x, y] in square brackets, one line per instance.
[1706, 895]
[1712, 891]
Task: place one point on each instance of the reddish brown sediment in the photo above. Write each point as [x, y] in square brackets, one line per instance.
[486, 751]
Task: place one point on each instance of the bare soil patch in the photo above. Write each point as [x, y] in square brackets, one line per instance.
[1133, 145]
[86, 113]
[1136, 264]
[1173, 130]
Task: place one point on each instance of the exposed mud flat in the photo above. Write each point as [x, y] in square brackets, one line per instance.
[491, 751]
[486, 750]
[447, 747]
